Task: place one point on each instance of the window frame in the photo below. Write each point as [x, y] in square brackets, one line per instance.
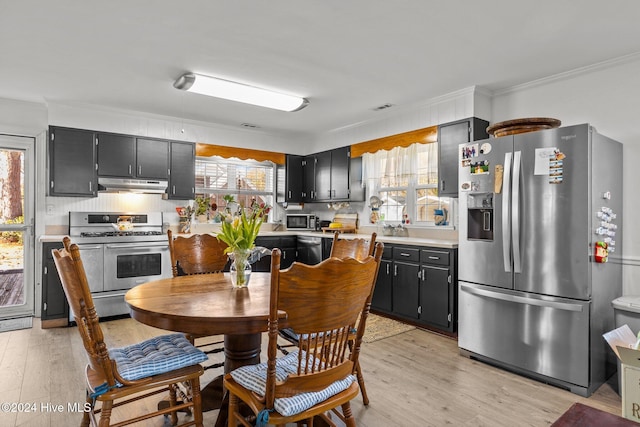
[238, 193]
[411, 202]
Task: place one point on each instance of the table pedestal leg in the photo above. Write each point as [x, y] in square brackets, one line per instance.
[239, 350]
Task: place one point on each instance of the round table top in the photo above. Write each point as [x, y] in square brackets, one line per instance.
[203, 304]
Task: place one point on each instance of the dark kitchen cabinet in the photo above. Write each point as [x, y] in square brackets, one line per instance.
[418, 284]
[116, 155]
[152, 158]
[327, 176]
[72, 162]
[438, 288]
[449, 136]
[294, 179]
[332, 170]
[125, 156]
[382, 294]
[55, 309]
[406, 281]
[287, 246]
[309, 179]
[182, 171]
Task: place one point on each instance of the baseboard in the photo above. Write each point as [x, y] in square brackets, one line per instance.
[14, 324]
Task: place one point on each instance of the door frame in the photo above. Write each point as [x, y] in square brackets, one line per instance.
[27, 145]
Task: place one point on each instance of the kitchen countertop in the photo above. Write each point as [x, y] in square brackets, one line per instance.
[415, 241]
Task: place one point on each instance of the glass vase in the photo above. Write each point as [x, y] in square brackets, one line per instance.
[240, 268]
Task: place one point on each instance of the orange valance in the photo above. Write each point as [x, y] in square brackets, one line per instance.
[208, 150]
[405, 139]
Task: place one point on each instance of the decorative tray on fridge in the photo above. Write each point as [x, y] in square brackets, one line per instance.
[531, 124]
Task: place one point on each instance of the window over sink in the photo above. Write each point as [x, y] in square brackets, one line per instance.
[245, 180]
[406, 180]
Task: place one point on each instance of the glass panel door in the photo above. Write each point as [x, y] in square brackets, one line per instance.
[16, 227]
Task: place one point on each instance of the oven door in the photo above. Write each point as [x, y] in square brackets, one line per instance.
[129, 264]
[93, 262]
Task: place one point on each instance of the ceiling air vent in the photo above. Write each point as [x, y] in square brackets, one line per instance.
[383, 107]
[249, 125]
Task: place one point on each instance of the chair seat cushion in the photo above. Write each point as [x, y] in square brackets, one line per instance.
[156, 356]
[254, 378]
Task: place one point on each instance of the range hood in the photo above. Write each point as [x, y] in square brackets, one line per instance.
[127, 185]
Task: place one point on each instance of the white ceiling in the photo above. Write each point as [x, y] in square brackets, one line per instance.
[346, 56]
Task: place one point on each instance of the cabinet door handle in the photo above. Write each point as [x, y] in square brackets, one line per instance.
[433, 257]
[395, 270]
[90, 186]
[442, 185]
[173, 189]
[388, 269]
[289, 194]
[129, 169]
[404, 254]
[139, 169]
[422, 277]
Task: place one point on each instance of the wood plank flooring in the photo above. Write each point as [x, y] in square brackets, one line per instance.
[11, 288]
[416, 378]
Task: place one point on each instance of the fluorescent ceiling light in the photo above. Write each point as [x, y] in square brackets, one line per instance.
[233, 91]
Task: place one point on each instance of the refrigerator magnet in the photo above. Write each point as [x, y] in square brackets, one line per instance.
[485, 148]
[601, 252]
[470, 151]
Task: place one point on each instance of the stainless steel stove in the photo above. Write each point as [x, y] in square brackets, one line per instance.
[115, 261]
[99, 227]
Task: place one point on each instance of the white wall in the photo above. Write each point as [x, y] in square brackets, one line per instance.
[608, 97]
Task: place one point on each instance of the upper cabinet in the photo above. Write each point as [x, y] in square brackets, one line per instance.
[332, 175]
[152, 158]
[77, 157]
[72, 162]
[327, 176]
[116, 155]
[449, 136]
[294, 183]
[126, 156]
[182, 172]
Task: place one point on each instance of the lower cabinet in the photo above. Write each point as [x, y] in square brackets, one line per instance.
[55, 309]
[287, 246]
[418, 284]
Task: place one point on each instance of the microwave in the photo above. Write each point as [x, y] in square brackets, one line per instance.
[301, 222]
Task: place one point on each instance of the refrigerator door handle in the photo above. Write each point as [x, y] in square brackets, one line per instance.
[515, 212]
[506, 252]
[522, 300]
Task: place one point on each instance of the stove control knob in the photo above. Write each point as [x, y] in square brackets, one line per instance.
[105, 218]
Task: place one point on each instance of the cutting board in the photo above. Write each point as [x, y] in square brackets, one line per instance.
[349, 223]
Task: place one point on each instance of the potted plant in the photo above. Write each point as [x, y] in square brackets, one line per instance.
[201, 207]
[240, 234]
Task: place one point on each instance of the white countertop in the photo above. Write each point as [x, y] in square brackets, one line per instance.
[415, 241]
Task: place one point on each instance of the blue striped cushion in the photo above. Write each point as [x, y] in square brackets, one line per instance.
[156, 356]
[254, 378]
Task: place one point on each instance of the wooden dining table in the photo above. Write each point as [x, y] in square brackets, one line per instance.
[204, 305]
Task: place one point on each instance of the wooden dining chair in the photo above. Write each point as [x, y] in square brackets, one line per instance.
[198, 254]
[119, 376]
[319, 375]
[342, 248]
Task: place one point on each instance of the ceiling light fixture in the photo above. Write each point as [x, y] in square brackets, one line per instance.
[239, 92]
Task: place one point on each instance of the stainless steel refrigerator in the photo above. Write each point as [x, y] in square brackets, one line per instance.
[540, 231]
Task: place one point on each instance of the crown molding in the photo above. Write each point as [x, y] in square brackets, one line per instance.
[569, 74]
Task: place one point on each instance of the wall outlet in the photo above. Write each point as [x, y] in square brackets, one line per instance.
[49, 209]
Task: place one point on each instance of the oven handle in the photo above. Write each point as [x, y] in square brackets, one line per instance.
[81, 246]
[137, 245]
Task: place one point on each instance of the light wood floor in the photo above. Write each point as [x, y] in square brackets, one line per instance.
[414, 379]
